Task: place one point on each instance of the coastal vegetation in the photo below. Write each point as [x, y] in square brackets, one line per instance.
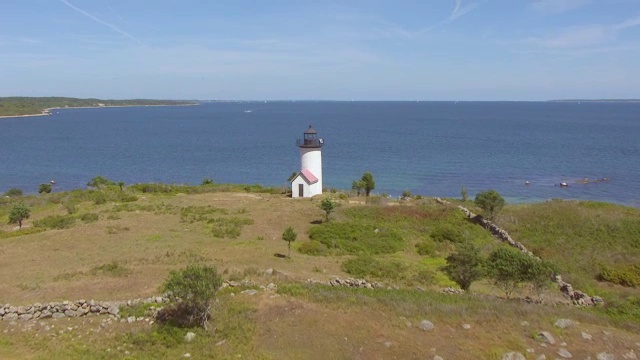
[18, 106]
[213, 245]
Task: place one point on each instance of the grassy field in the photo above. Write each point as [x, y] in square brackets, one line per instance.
[112, 244]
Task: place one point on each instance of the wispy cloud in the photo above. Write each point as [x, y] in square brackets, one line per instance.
[99, 21]
[460, 10]
[584, 36]
[558, 6]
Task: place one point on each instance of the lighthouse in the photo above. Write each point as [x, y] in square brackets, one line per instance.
[308, 182]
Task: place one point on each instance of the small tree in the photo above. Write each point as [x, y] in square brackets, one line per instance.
[289, 235]
[465, 194]
[465, 266]
[508, 268]
[491, 202]
[357, 186]
[120, 185]
[328, 206]
[195, 287]
[13, 192]
[368, 183]
[99, 181]
[44, 189]
[18, 213]
[538, 273]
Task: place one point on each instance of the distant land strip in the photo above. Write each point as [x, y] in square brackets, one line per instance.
[38, 106]
[597, 100]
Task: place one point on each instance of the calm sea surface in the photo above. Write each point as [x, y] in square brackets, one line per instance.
[429, 148]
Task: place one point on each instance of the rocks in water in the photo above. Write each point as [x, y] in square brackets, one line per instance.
[426, 325]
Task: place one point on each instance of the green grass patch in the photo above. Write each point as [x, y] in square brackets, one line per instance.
[55, 222]
[356, 238]
[191, 214]
[114, 269]
[228, 227]
[21, 232]
[373, 267]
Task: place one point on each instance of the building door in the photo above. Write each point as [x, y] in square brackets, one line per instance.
[301, 190]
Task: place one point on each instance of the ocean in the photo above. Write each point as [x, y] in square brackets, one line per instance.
[428, 148]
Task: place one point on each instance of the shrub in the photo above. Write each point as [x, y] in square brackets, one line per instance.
[406, 193]
[194, 286]
[465, 266]
[356, 238]
[19, 212]
[100, 181]
[623, 275]
[89, 217]
[44, 188]
[312, 247]
[113, 268]
[491, 202]
[442, 232]
[368, 266]
[228, 227]
[55, 222]
[13, 192]
[426, 248]
[207, 181]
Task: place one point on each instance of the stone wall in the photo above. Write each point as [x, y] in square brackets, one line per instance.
[77, 308]
[577, 297]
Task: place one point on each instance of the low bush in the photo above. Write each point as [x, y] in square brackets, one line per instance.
[312, 247]
[55, 222]
[357, 238]
[445, 231]
[622, 275]
[228, 227]
[193, 214]
[89, 217]
[13, 192]
[426, 248]
[369, 266]
[113, 268]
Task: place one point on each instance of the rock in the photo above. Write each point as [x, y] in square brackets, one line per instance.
[605, 356]
[564, 353]
[524, 323]
[513, 356]
[466, 326]
[189, 337]
[388, 344]
[25, 317]
[587, 336]
[631, 355]
[563, 323]
[10, 316]
[426, 325]
[541, 357]
[234, 283]
[58, 315]
[113, 310]
[546, 337]
[221, 342]
[268, 271]
[131, 319]
[187, 355]
[437, 357]
[249, 292]
[272, 287]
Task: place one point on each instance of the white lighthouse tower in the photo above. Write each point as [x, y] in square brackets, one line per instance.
[308, 182]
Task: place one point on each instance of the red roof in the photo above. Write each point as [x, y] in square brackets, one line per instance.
[308, 175]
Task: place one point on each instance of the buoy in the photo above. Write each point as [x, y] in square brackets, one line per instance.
[52, 182]
[526, 182]
[564, 184]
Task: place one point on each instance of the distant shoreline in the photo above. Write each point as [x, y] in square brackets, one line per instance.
[47, 111]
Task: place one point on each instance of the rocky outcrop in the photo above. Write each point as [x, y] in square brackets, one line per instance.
[77, 308]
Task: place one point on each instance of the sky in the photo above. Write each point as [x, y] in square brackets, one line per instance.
[321, 50]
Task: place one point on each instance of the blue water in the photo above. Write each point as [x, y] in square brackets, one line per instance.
[429, 148]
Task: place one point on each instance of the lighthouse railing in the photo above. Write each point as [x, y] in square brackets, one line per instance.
[309, 142]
